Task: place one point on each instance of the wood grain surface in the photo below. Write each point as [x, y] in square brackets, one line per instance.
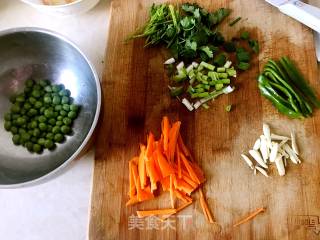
[135, 99]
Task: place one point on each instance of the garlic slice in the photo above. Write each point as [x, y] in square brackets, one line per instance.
[278, 137]
[293, 157]
[283, 142]
[257, 144]
[264, 172]
[294, 143]
[248, 161]
[256, 156]
[264, 148]
[274, 152]
[280, 166]
[266, 133]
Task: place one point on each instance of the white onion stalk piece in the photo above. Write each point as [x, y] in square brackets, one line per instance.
[274, 152]
[255, 171]
[294, 144]
[264, 172]
[248, 161]
[227, 64]
[256, 156]
[195, 64]
[264, 148]
[293, 157]
[187, 104]
[267, 134]
[280, 166]
[257, 144]
[169, 61]
[197, 104]
[189, 68]
[180, 66]
[278, 137]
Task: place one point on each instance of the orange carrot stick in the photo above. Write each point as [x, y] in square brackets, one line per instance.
[147, 213]
[165, 183]
[136, 180]
[183, 147]
[173, 138]
[165, 167]
[189, 168]
[150, 145]
[146, 194]
[132, 201]
[177, 210]
[132, 186]
[152, 173]
[171, 191]
[142, 166]
[182, 196]
[165, 125]
[205, 207]
[184, 186]
[251, 216]
[156, 164]
[178, 160]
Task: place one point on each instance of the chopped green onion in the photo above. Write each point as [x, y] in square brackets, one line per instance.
[204, 94]
[221, 69]
[228, 108]
[234, 21]
[222, 75]
[219, 86]
[207, 66]
[176, 91]
[205, 106]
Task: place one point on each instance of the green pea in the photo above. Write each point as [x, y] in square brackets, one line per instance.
[67, 121]
[21, 131]
[37, 87]
[65, 129]
[44, 83]
[65, 100]
[61, 87]
[60, 118]
[43, 126]
[15, 116]
[27, 106]
[29, 146]
[58, 108]
[64, 92]
[48, 89]
[72, 115]
[56, 100]
[7, 125]
[52, 121]
[32, 100]
[43, 134]
[32, 112]
[59, 123]
[7, 116]
[29, 83]
[58, 137]
[56, 129]
[48, 113]
[42, 109]
[38, 104]
[42, 119]
[15, 108]
[49, 128]
[16, 139]
[50, 136]
[36, 93]
[20, 98]
[33, 124]
[37, 148]
[63, 113]
[66, 107]
[21, 121]
[55, 114]
[25, 137]
[36, 132]
[34, 139]
[41, 141]
[55, 88]
[14, 130]
[27, 90]
[47, 99]
[48, 144]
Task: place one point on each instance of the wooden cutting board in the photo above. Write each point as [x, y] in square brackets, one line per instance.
[135, 99]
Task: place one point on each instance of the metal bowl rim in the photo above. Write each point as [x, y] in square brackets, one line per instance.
[96, 117]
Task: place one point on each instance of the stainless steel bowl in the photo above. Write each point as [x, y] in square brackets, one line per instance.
[41, 54]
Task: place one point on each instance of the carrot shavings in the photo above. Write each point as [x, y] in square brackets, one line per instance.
[167, 163]
[251, 216]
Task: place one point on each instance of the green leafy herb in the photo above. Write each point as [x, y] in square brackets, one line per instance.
[244, 35]
[243, 66]
[254, 45]
[243, 56]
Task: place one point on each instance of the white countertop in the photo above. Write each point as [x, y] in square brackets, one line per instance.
[59, 208]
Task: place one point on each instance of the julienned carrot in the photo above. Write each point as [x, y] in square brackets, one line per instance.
[150, 145]
[165, 125]
[183, 147]
[132, 200]
[147, 213]
[146, 194]
[165, 167]
[136, 180]
[132, 186]
[189, 168]
[182, 196]
[165, 183]
[142, 166]
[251, 216]
[173, 138]
[178, 161]
[205, 207]
[184, 186]
[152, 173]
[198, 172]
[177, 210]
[171, 191]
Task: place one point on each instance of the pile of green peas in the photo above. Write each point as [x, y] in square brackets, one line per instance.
[41, 116]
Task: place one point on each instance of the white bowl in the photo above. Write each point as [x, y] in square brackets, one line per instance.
[76, 7]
